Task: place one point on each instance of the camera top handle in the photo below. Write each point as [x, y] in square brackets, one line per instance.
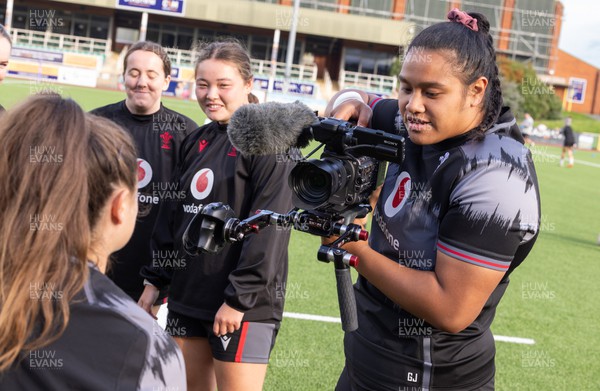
[342, 136]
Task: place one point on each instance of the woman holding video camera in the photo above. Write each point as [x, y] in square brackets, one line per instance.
[224, 309]
[452, 221]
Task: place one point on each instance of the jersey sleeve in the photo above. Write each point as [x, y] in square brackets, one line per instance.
[493, 209]
[263, 255]
[163, 237]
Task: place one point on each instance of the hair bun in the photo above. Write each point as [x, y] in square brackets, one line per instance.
[482, 22]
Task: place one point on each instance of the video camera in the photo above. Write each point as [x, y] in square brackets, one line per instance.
[351, 167]
[328, 194]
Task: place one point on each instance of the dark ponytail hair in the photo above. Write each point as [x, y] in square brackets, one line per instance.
[474, 56]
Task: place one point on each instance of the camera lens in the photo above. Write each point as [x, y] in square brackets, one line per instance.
[315, 185]
[314, 182]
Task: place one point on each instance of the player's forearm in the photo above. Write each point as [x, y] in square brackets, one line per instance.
[417, 291]
[339, 97]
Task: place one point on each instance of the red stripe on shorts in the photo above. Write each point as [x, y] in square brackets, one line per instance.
[240, 349]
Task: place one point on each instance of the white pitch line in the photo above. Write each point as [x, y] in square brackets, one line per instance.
[331, 319]
[557, 157]
[318, 318]
[524, 341]
[162, 320]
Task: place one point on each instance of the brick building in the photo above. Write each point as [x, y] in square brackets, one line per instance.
[577, 83]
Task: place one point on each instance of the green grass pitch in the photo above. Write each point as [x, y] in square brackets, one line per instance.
[553, 297]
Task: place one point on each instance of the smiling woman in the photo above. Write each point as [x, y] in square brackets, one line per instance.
[225, 309]
[147, 74]
[158, 133]
[454, 219]
[217, 91]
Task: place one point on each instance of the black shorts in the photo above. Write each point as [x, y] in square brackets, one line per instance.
[568, 144]
[346, 384]
[251, 343]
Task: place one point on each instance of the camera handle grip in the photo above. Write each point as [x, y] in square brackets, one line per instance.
[346, 299]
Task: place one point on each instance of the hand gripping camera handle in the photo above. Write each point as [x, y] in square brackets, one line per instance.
[346, 299]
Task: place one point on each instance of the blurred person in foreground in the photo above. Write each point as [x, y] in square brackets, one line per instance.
[68, 202]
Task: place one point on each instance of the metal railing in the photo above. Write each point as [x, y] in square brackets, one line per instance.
[259, 67]
[367, 82]
[297, 71]
[62, 42]
[181, 57]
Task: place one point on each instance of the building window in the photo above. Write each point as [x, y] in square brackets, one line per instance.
[80, 27]
[260, 48]
[325, 5]
[20, 15]
[425, 12]
[153, 33]
[205, 35]
[167, 40]
[185, 38]
[375, 8]
[99, 27]
[368, 61]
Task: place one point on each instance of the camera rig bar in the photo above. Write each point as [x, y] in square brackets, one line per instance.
[216, 225]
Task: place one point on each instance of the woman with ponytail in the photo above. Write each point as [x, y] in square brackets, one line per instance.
[453, 219]
[67, 202]
[224, 309]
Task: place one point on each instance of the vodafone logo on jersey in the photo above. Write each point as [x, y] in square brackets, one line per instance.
[202, 183]
[399, 195]
[144, 173]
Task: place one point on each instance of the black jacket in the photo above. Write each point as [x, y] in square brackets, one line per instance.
[567, 131]
[158, 138]
[250, 275]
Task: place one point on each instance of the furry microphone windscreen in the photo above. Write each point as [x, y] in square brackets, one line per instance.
[270, 128]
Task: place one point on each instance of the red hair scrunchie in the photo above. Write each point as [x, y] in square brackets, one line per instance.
[463, 18]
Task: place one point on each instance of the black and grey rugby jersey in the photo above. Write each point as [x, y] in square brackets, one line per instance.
[110, 343]
[476, 201]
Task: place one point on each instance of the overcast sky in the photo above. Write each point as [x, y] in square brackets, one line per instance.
[580, 33]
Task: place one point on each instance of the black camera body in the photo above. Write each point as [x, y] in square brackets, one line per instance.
[350, 168]
[335, 182]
